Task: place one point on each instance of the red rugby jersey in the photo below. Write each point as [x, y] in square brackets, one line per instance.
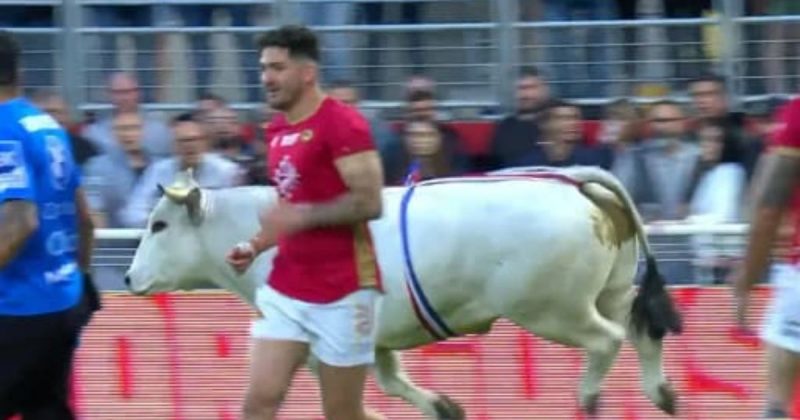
[320, 265]
[787, 141]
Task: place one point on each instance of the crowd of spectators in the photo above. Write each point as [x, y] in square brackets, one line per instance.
[681, 162]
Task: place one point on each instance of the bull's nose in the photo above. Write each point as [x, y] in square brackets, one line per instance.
[127, 281]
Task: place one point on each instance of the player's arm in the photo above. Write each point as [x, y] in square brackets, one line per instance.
[85, 231]
[777, 176]
[19, 219]
[19, 215]
[363, 174]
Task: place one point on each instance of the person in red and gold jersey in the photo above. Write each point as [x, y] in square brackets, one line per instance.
[775, 190]
[322, 292]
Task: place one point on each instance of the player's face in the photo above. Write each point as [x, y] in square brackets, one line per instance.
[283, 77]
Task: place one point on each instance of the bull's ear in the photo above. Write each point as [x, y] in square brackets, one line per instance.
[194, 204]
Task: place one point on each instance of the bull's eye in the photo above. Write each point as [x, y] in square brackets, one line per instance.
[158, 226]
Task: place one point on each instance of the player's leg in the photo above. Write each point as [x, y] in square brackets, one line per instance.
[48, 396]
[14, 361]
[782, 369]
[781, 332]
[344, 343]
[280, 347]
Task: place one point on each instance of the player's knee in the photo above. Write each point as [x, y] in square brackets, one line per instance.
[263, 403]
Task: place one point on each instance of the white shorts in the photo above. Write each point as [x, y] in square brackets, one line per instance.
[340, 333]
[782, 323]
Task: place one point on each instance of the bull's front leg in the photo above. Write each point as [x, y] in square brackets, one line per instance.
[394, 382]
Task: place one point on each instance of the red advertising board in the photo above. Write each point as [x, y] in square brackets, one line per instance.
[184, 357]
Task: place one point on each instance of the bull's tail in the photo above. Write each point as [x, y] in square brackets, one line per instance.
[652, 307]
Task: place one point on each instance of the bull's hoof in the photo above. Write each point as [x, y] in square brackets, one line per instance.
[667, 399]
[591, 405]
[447, 409]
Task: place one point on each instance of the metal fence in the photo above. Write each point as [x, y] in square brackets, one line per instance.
[687, 253]
[473, 49]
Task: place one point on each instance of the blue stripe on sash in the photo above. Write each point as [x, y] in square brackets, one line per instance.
[430, 319]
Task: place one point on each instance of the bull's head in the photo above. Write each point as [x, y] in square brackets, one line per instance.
[170, 255]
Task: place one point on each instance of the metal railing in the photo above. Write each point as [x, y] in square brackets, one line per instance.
[680, 248]
[474, 49]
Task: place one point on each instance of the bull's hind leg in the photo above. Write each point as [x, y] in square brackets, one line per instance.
[394, 382]
[613, 304]
[649, 351]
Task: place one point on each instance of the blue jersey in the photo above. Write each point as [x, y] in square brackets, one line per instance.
[36, 165]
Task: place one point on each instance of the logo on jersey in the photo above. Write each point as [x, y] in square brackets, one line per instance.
[13, 173]
[286, 177]
[306, 136]
[59, 161]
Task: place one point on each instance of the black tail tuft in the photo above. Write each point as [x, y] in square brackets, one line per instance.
[653, 308]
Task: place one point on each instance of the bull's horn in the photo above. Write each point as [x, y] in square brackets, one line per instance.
[178, 194]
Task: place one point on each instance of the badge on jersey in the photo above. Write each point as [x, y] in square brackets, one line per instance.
[13, 173]
[59, 161]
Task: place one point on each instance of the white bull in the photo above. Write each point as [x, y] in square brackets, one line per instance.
[556, 258]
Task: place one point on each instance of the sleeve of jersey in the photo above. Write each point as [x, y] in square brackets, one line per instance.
[787, 141]
[16, 182]
[351, 137]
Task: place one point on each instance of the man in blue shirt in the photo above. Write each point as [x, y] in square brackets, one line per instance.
[46, 239]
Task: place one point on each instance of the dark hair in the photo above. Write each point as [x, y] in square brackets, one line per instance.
[529, 71]
[299, 40]
[546, 111]
[188, 116]
[208, 96]
[9, 59]
[418, 95]
[708, 77]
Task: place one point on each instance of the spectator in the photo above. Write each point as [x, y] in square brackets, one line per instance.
[208, 102]
[659, 172]
[428, 151]
[562, 142]
[716, 196]
[124, 94]
[52, 103]
[622, 126]
[193, 152]
[719, 180]
[421, 107]
[227, 140]
[710, 99]
[110, 178]
[385, 138]
[517, 134]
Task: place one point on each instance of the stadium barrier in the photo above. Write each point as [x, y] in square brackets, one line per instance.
[184, 356]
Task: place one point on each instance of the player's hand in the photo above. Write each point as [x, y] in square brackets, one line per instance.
[283, 219]
[241, 257]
